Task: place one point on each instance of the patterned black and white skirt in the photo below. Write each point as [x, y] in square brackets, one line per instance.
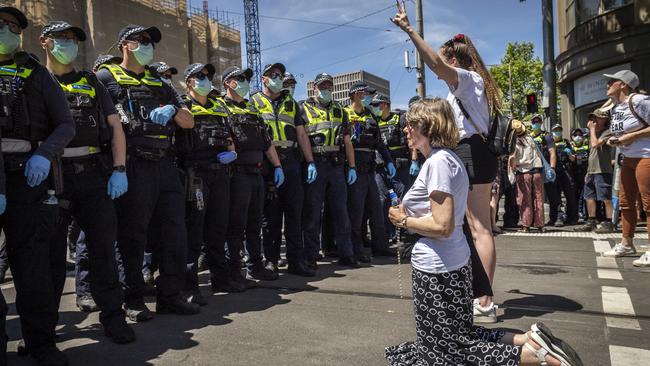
[446, 334]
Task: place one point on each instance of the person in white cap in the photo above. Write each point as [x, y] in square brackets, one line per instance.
[631, 134]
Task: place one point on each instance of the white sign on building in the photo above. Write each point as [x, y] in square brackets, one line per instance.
[592, 88]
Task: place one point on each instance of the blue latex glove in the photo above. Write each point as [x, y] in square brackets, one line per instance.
[162, 115]
[568, 151]
[3, 203]
[352, 176]
[391, 170]
[414, 170]
[278, 175]
[37, 169]
[311, 173]
[227, 157]
[117, 185]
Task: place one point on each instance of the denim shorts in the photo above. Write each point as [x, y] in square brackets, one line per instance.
[598, 187]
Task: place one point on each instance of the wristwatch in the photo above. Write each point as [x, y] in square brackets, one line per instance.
[119, 168]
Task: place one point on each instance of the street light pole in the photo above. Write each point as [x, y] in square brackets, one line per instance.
[421, 87]
[549, 98]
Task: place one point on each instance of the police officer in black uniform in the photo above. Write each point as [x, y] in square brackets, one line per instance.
[287, 130]
[363, 194]
[165, 71]
[206, 152]
[36, 126]
[579, 162]
[252, 143]
[86, 168]
[3, 303]
[150, 113]
[564, 179]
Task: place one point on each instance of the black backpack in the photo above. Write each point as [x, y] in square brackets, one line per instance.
[501, 137]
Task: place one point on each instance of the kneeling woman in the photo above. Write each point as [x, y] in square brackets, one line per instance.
[442, 277]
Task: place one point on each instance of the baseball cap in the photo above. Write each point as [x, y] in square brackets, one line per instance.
[161, 67]
[234, 71]
[197, 67]
[626, 76]
[19, 15]
[322, 77]
[357, 87]
[275, 65]
[59, 26]
[132, 29]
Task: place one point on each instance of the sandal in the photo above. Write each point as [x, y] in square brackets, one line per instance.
[524, 229]
[554, 346]
[541, 355]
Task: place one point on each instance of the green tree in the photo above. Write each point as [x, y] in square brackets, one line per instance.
[525, 69]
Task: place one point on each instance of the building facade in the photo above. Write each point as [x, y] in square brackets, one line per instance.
[598, 37]
[342, 83]
[188, 34]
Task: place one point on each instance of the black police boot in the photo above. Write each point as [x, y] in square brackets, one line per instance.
[227, 285]
[237, 276]
[138, 312]
[263, 274]
[49, 356]
[118, 331]
[350, 262]
[195, 297]
[300, 269]
[176, 305]
[282, 262]
[384, 252]
[363, 258]
[87, 304]
[272, 266]
[313, 265]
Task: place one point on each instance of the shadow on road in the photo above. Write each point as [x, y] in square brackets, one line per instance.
[535, 305]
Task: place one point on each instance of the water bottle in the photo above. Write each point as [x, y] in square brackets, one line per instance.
[394, 200]
[51, 199]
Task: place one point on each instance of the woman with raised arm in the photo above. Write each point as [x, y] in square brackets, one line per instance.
[434, 208]
[474, 96]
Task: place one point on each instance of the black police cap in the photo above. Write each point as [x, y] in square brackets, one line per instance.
[322, 77]
[234, 71]
[162, 67]
[288, 76]
[132, 29]
[358, 86]
[19, 15]
[277, 65]
[197, 67]
[380, 98]
[54, 26]
[106, 59]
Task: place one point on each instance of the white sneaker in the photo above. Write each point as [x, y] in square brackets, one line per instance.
[644, 261]
[485, 315]
[621, 250]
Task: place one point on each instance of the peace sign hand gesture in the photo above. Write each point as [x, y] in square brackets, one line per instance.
[401, 19]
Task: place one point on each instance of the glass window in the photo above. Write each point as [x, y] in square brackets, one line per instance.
[570, 16]
[613, 4]
[588, 9]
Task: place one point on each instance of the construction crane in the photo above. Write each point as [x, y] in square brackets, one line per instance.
[253, 52]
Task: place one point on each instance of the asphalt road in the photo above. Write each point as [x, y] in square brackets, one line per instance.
[347, 317]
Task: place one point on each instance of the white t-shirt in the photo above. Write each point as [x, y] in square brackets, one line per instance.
[623, 121]
[471, 92]
[443, 171]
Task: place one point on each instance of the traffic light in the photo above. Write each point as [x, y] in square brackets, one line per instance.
[531, 103]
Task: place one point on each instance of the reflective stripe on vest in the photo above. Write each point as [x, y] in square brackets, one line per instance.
[385, 128]
[123, 78]
[14, 70]
[278, 123]
[322, 121]
[80, 87]
[215, 109]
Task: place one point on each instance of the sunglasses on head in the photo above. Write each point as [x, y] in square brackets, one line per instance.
[459, 38]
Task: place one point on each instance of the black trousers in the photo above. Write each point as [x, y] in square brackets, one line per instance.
[154, 186]
[208, 227]
[578, 174]
[245, 223]
[363, 198]
[85, 200]
[330, 184]
[285, 204]
[563, 184]
[37, 262]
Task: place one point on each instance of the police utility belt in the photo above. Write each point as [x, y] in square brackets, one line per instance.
[149, 153]
[325, 154]
[247, 168]
[212, 166]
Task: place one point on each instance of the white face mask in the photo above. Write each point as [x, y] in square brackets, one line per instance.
[275, 85]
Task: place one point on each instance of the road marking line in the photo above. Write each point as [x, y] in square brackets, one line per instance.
[601, 246]
[617, 301]
[606, 262]
[626, 356]
[623, 323]
[609, 274]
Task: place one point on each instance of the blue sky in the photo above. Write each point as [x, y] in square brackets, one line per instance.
[490, 23]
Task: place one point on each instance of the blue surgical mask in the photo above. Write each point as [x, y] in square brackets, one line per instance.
[202, 86]
[242, 88]
[291, 90]
[275, 85]
[376, 111]
[578, 139]
[557, 135]
[324, 96]
[536, 126]
[143, 54]
[9, 41]
[366, 100]
[64, 50]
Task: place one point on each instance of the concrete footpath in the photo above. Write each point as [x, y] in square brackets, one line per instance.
[346, 317]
